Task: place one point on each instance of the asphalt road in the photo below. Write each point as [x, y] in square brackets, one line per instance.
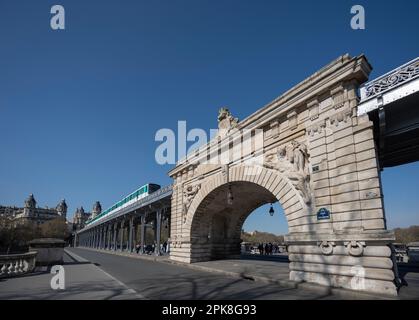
[157, 280]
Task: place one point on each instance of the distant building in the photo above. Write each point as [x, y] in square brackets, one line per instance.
[80, 216]
[97, 209]
[31, 213]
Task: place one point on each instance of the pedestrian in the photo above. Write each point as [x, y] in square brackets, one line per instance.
[260, 247]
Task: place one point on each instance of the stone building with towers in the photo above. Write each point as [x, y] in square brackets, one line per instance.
[81, 217]
[30, 212]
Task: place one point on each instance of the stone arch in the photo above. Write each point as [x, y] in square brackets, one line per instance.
[204, 213]
[344, 226]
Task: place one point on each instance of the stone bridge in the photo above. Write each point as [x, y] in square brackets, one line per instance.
[312, 152]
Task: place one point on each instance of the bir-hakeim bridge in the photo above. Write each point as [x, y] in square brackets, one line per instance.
[317, 150]
[118, 229]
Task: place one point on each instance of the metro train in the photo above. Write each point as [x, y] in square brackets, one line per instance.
[140, 193]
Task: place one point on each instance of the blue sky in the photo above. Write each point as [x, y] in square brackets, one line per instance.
[79, 107]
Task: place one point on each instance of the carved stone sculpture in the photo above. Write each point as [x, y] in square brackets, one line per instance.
[226, 122]
[188, 194]
[292, 161]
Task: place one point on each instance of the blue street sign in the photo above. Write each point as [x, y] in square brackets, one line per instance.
[323, 214]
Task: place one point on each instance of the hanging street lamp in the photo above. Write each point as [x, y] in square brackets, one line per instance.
[230, 196]
[271, 211]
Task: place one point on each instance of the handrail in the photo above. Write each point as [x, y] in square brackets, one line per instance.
[390, 80]
[16, 264]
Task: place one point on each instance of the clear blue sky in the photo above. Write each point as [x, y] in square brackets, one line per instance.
[79, 108]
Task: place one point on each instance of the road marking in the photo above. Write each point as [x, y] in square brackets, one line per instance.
[129, 290]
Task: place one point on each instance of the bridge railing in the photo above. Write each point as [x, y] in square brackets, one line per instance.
[390, 80]
[16, 264]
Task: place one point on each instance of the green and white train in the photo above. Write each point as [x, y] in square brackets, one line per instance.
[138, 194]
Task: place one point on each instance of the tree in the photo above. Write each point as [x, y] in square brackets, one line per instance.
[15, 236]
[55, 228]
[406, 235]
[261, 237]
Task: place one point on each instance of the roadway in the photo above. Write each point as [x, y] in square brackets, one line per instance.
[166, 281]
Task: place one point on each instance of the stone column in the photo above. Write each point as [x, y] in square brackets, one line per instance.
[143, 229]
[121, 236]
[131, 224]
[107, 237]
[114, 235]
[134, 236]
[110, 242]
[158, 231]
[102, 244]
[103, 237]
[100, 237]
[97, 237]
[348, 247]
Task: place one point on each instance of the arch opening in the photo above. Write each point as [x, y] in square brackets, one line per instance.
[217, 224]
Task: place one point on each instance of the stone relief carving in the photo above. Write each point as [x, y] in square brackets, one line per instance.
[316, 128]
[226, 122]
[188, 195]
[355, 248]
[292, 161]
[326, 247]
[339, 117]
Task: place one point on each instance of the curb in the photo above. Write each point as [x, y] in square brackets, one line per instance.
[75, 256]
[129, 255]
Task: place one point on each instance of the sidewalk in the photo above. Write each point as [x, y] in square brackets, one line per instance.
[83, 281]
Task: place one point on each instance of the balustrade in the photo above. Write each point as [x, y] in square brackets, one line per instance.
[16, 264]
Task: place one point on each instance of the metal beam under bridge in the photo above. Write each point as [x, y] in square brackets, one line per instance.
[392, 103]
